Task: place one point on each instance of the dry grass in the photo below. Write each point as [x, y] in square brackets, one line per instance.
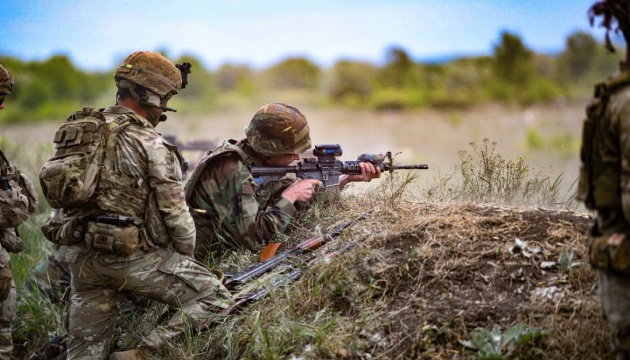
[430, 272]
[427, 276]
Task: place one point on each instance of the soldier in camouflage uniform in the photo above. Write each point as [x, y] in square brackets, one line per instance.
[605, 181]
[232, 211]
[139, 201]
[17, 202]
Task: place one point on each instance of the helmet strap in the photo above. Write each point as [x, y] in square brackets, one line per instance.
[147, 99]
[148, 109]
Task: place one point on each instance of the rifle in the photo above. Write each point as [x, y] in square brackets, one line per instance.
[326, 168]
[283, 280]
[235, 279]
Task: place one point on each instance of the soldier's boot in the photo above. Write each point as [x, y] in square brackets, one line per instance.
[140, 353]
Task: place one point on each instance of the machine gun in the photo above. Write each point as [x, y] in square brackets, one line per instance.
[326, 168]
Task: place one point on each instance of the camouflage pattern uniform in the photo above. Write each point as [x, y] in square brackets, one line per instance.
[141, 179]
[17, 202]
[7, 306]
[605, 187]
[236, 212]
[229, 208]
[165, 274]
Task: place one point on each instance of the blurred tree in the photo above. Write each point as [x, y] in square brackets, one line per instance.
[578, 59]
[59, 74]
[399, 70]
[606, 63]
[583, 62]
[51, 89]
[350, 82]
[513, 61]
[463, 84]
[545, 65]
[200, 95]
[238, 78]
[297, 72]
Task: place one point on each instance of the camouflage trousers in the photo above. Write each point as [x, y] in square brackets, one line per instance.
[99, 282]
[7, 311]
[615, 296]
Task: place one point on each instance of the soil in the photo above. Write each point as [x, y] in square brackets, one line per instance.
[455, 268]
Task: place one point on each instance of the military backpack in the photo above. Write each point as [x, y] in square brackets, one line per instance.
[70, 178]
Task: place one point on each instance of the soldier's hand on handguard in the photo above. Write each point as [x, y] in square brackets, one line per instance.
[301, 191]
[368, 172]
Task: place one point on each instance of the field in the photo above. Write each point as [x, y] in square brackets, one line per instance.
[436, 276]
[548, 136]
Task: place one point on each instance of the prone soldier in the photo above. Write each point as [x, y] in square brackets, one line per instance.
[230, 209]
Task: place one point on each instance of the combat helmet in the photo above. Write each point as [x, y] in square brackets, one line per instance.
[153, 72]
[6, 81]
[278, 129]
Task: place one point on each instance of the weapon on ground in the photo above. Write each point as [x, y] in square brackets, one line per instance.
[233, 280]
[326, 168]
[283, 280]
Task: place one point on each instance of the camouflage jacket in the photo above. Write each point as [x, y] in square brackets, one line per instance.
[605, 173]
[141, 178]
[230, 210]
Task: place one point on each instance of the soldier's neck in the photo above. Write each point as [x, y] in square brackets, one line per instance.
[135, 106]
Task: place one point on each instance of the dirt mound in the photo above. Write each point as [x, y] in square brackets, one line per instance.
[453, 268]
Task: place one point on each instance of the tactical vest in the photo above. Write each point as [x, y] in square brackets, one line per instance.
[17, 202]
[263, 193]
[599, 182]
[208, 224]
[228, 146]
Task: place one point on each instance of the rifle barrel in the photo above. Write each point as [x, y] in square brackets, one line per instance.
[409, 167]
[262, 291]
[256, 270]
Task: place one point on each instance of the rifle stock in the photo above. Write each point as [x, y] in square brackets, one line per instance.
[270, 251]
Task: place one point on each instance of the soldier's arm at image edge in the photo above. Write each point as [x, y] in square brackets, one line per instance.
[620, 106]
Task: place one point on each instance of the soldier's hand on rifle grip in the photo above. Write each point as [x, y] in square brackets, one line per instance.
[301, 191]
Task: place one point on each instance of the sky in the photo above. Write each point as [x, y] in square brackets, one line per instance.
[99, 34]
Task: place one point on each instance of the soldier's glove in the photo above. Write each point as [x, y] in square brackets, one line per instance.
[5, 282]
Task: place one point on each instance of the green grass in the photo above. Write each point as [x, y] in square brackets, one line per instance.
[37, 318]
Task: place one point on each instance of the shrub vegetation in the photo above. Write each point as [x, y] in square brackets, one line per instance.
[513, 74]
